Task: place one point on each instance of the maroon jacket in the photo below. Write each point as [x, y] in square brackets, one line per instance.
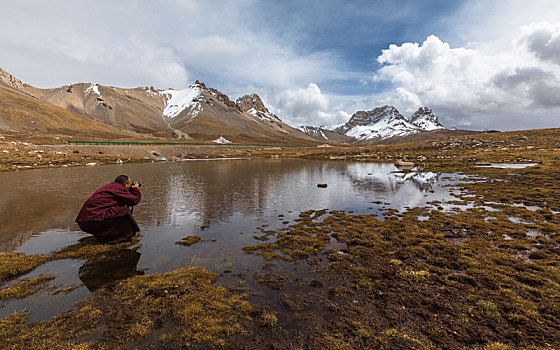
[108, 202]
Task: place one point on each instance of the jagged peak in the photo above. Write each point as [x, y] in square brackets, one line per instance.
[380, 122]
[11, 80]
[248, 101]
[362, 118]
[425, 119]
[253, 105]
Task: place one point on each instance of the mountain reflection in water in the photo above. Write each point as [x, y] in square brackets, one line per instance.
[189, 197]
[227, 203]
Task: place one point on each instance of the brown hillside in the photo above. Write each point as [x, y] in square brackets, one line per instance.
[136, 109]
[221, 117]
[22, 113]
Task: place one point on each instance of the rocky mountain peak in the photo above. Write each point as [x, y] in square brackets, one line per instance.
[246, 102]
[10, 80]
[425, 119]
[379, 123]
[216, 93]
[367, 118]
[253, 105]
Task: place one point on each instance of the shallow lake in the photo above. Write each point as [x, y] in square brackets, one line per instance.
[222, 201]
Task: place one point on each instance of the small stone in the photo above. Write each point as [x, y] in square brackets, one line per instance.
[119, 161]
[91, 164]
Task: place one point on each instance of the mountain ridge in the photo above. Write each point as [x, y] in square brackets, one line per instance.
[197, 112]
[380, 123]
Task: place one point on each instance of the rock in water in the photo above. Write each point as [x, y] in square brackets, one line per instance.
[322, 185]
[402, 164]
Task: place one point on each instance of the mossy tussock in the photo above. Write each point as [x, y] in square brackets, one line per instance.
[189, 240]
[178, 309]
[472, 277]
[25, 287]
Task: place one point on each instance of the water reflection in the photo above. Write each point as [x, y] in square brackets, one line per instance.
[188, 197]
[109, 268]
[223, 202]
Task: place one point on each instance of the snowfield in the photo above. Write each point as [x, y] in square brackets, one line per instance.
[178, 101]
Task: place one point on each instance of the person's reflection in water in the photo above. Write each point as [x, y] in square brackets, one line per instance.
[109, 268]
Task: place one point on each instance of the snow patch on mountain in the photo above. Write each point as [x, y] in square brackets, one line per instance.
[179, 100]
[425, 119]
[383, 129]
[93, 88]
[315, 132]
[221, 140]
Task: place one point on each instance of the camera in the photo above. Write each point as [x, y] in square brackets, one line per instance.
[136, 183]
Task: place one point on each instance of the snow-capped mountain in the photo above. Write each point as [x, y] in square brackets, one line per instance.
[386, 122]
[205, 113]
[253, 105]
[381, 122]
[425, 119]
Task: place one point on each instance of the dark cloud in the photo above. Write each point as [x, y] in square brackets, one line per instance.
[545, 95]
[543, 40]
[521, 76]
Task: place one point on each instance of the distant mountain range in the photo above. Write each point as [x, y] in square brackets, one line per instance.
[379, 124]
[195, 113]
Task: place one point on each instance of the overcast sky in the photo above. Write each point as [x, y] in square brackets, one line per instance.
[477, 64]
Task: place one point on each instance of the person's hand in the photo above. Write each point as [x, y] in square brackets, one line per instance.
[136, 185]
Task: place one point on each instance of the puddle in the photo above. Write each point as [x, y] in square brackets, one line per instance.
[209, 159]
[517, 220]
[50, 241]
[533, 234]
[44, 304]
[336, 245]
[506, 165]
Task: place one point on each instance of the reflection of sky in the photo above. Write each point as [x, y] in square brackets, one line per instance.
[183, 196]
[223, 202]
[211, 192]
[188, 195]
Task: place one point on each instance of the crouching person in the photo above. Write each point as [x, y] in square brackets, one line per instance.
[107, 215]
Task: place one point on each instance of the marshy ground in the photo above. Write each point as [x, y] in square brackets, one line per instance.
[486, 276]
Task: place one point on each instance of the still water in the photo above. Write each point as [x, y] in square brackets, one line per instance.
[224, 202]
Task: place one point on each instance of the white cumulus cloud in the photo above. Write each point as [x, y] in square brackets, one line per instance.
[306, 106]
[301, 104]
[468, 87]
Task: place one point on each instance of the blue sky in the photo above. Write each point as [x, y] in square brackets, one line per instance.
[354, 32]
[477, 63]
